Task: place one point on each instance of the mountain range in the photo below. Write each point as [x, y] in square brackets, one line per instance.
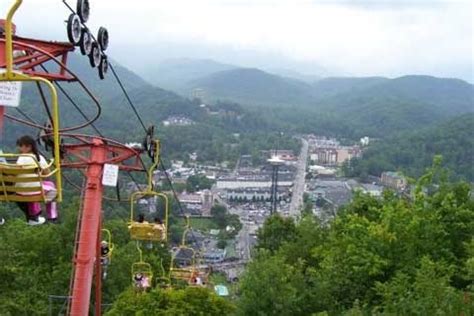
[375, 106]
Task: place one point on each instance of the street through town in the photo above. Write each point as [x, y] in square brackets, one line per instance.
[298, 187]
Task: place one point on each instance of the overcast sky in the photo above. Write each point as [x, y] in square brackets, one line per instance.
[354, 37]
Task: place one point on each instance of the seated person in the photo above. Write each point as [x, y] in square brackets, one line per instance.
[138, 278]
[160, 226]
[142, 282]
[27, 145]
[104, 252]
[141, 219]
[145, 282]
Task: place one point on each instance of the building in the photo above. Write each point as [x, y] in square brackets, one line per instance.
[393, 180]
[283, 154]
[198, 203]
[322, 171]
[147, 205]
[247, 182]
[331, 156]
[324, 156]
[255, 194]
[364, 141]
[184, 257]
[214, 256]
[177, 121]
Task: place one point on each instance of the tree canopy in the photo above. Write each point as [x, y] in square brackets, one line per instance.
[406, 255]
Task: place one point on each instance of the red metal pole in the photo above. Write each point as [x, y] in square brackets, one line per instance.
[98, 274]
[88, 236]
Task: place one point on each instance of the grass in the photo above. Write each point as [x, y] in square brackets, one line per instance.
[230, 249]
[203, 224]
[220, 279]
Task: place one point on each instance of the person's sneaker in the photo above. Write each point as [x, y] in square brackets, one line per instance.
[40, 220]
[2, 221]
[53, 220]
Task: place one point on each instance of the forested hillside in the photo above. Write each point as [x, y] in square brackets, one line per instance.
[390, 256]
[254, 87]
[379, 256]
[173, 74]
[412, 151]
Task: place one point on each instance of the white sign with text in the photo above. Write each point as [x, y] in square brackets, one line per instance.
[110, 175]
[10, 92]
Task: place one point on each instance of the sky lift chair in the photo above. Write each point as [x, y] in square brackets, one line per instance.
[146, 231]
[143, 269]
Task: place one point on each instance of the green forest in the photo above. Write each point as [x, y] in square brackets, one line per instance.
[399, 255]
[412, 151]
[394, 256]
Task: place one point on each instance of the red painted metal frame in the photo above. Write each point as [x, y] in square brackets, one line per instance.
[87, 152]
[87, 253]
[78, 155]
[92, 153]
[32, 58]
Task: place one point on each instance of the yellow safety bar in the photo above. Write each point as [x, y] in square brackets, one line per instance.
[11, 75]
[187, 273]
[149, 191]
[142, 266]
[12, 174]
[176, 270]
[186, 230]
[164, 278]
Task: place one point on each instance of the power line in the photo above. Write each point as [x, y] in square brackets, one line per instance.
[128, 97]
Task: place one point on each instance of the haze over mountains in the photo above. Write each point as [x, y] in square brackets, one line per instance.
[411, 99]
[376, 106]
[260, 101]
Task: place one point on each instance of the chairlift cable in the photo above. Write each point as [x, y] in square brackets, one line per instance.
[45, 102]
[73, 75]
[127, 96]
[24, 115]
[175, 195]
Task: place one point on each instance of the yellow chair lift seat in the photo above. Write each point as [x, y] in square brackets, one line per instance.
[190, 276]
[109, 243]
[12, 176]
[144, 269]
[147, 231]
[184, 274]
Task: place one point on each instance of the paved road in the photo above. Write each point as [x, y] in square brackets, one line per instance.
[243, 237]
[298, 187]
[243, 240]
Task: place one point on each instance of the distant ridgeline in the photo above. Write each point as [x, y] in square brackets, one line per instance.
[348, 108]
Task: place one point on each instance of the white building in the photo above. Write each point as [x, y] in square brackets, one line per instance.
[248, 182]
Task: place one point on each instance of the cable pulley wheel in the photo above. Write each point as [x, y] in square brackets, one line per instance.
[147, 141]
[83, 10]
[103, 67]
[86, 42]
[95, 55]
[152, 152]
[103, 38]
[74, 29]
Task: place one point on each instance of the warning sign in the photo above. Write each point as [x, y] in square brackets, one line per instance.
[10, 92]
[110, 175]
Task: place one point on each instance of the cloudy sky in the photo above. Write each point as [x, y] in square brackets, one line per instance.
[353, 37]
